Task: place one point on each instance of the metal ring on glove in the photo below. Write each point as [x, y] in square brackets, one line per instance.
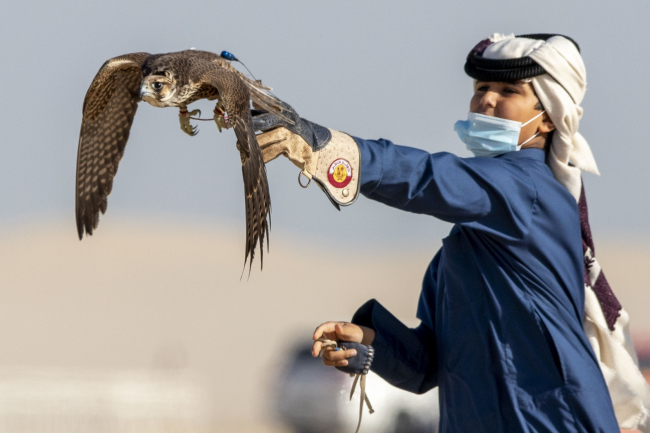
[303, 174]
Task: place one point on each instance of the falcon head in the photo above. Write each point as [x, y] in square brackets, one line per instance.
[158, 89]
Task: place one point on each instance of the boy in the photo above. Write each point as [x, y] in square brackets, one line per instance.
[503, 301]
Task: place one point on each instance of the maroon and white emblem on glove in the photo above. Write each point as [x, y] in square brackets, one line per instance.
[339, 173]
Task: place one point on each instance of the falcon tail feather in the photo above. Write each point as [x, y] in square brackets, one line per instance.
[256, 189]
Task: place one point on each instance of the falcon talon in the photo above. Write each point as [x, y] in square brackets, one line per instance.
[221, 118]
[219, 121]
[184, 117]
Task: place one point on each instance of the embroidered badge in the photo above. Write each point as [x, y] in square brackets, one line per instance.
[340, 173]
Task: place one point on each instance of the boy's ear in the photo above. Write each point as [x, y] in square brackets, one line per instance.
[547, 124]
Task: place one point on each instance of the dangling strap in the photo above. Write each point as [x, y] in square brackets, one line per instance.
[363, 398]
[358, 378]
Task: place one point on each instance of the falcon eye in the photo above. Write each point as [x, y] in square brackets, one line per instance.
[157, 86]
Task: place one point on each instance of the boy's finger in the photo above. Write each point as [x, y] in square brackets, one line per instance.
[316, 348]
[348, 331]
[329, 363]
[323, 328]
[319, 347]
[339, 355]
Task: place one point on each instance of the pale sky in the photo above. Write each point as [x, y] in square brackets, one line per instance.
[370, 68]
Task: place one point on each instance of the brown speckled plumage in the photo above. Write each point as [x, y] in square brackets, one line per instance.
[185, 77]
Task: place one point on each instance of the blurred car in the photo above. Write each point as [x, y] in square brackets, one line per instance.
[311, 398]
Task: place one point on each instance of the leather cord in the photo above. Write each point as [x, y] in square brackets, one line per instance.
[358, 378]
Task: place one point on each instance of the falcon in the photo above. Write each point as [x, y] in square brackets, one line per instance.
[169, 80]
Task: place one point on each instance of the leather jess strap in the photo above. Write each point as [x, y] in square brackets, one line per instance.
[358, 367]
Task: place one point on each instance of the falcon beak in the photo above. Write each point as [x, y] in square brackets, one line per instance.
[144, 91]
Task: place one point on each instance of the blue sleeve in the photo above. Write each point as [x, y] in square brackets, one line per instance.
[404, 357]
[483, 193]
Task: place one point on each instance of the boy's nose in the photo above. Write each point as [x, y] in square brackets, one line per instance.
[489, 99]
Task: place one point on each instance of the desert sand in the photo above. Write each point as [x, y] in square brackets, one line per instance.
[148, 327]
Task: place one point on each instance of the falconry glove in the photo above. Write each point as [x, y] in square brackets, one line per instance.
[358, 367]
[330, 158]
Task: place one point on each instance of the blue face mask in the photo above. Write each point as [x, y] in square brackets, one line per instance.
[491, 136]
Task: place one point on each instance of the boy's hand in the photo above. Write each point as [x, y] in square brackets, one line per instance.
[338, 331]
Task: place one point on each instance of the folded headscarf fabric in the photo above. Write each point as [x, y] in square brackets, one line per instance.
[554, 65]
[606, 325]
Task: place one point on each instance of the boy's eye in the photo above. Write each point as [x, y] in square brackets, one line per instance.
[482, 88]
[509, 90]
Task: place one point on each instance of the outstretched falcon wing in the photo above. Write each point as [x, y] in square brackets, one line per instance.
[235, 96]
[108, 110]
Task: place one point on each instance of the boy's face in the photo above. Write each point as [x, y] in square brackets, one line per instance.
[512, 101]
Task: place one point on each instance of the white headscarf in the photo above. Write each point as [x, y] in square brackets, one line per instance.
[560, 91]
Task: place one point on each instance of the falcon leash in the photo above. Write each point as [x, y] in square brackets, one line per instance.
[358, 367]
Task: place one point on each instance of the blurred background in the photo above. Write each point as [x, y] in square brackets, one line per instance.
[146, 326]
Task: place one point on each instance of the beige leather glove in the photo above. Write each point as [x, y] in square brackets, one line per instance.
[332, 160]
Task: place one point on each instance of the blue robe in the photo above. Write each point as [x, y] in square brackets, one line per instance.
[502, 301]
